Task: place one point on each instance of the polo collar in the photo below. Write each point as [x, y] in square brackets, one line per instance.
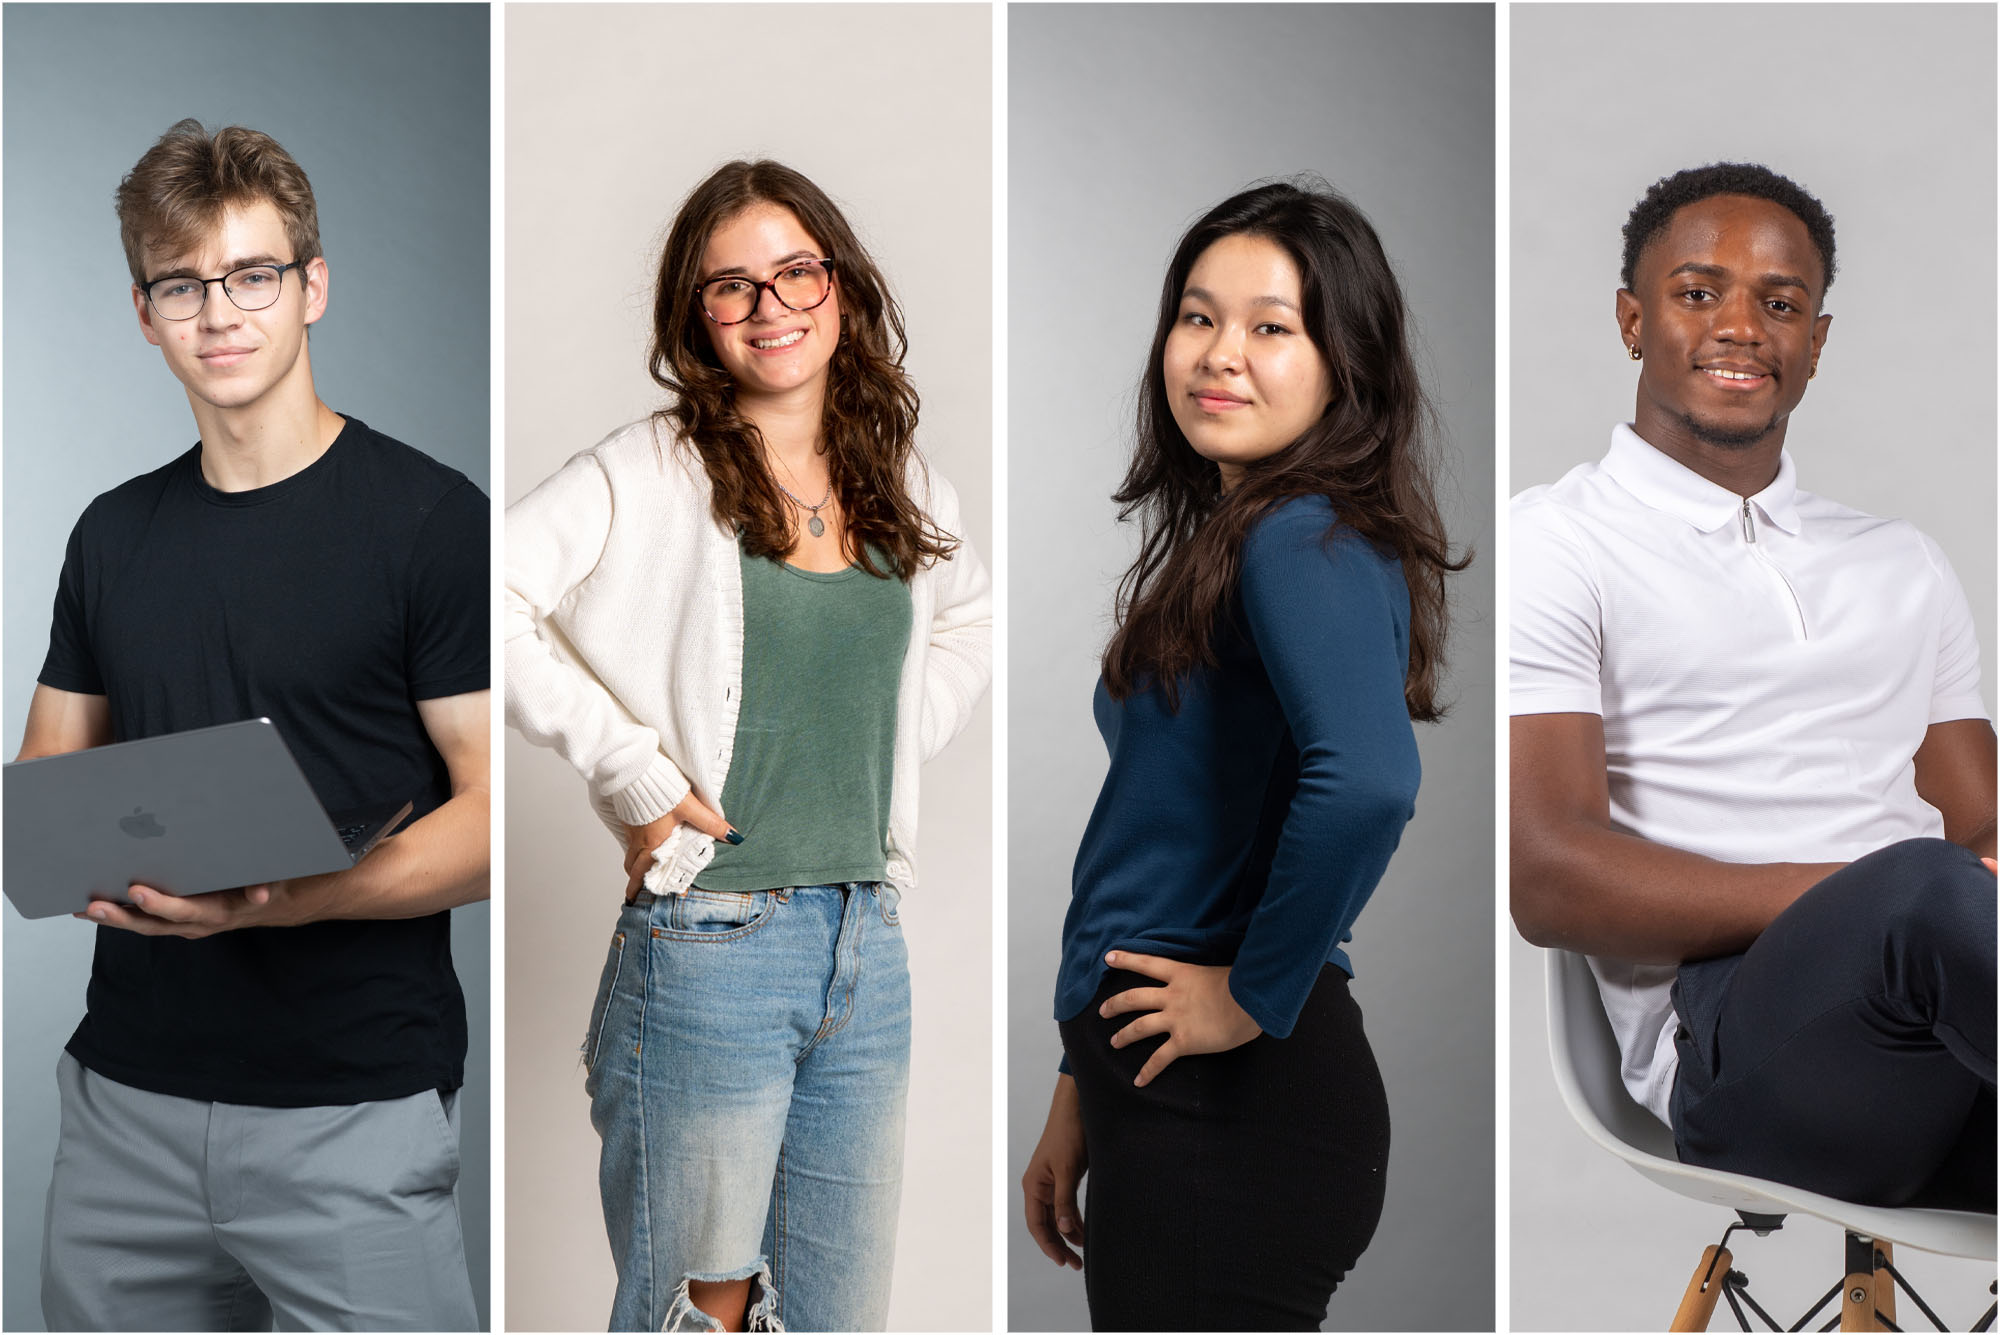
[1678, 490]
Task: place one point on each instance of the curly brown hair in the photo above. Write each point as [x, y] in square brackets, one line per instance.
[1367, 454]
[870, 418]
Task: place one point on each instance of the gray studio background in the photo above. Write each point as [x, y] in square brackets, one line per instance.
[1118, 139]
[1886, 113]
[386, 109]
[895, 123]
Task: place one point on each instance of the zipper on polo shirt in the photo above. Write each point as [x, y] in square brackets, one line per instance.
[1784, 582]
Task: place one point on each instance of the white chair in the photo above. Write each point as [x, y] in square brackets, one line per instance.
[1585, 1055]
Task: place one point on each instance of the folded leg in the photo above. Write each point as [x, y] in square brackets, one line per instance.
[1850, 1050]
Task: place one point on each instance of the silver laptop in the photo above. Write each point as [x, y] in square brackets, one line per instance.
[185, 812]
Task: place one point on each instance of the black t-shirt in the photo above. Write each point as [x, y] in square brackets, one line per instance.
[331, 603]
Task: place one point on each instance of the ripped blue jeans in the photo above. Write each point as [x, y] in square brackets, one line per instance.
[748, 1060]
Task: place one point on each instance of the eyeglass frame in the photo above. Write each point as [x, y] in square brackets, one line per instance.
[769, 284]
[147, 288]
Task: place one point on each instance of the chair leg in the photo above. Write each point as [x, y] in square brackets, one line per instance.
[1704, 1288]
[1885, 1292]
[1866, 1290]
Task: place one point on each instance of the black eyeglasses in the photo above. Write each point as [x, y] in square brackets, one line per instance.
[251, 288]
[798, 286]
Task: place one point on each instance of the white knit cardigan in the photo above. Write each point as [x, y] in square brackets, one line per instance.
[624, 640]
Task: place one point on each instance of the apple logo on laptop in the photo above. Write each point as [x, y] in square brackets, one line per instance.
[141, 825]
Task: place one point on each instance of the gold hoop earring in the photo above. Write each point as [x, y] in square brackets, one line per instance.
[1634, 350]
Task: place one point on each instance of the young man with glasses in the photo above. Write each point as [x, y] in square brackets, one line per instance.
[259, 1107]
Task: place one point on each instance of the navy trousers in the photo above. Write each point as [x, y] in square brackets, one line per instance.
[1850, 1049]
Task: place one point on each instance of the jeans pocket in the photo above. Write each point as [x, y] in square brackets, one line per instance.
[607, 984]
[890, 899]
[717, 915]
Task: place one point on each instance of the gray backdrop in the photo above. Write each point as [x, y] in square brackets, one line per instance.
[386, 109]
[1886, 113]
[1118, 139]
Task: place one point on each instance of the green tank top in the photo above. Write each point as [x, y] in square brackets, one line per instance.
[808, 782]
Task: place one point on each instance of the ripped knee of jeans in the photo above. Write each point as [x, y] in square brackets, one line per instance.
[760, 1308]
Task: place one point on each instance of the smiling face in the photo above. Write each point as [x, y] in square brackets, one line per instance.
[1243, 379]
[1725, 312]
[777, 352]
[226, 357]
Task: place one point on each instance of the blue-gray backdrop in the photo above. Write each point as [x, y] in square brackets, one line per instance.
[386, 108]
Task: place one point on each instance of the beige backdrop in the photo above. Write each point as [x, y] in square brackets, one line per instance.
[613, 112]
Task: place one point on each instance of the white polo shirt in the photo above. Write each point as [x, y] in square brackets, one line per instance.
[1765, 669]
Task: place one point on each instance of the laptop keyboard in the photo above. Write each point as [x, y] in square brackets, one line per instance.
[349, 833]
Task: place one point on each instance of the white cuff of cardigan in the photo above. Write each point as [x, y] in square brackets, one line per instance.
[652, 795]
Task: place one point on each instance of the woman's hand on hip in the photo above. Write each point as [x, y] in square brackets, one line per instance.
[1194, 1010]
[641, 840]
[1048, 1188]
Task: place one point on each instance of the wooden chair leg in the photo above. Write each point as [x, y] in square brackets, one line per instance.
[1885, 1288]
[1866, 1290]
[1698, 1303]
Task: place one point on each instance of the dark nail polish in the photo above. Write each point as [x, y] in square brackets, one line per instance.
[735, 836]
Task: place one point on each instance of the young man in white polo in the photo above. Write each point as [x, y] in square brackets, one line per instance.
[1752, 776]
[259, 1107]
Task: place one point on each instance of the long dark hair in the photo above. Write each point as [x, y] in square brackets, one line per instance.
[870, 419]
[1368, 453]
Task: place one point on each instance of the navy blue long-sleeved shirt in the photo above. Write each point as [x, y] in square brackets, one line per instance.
[1250, 828]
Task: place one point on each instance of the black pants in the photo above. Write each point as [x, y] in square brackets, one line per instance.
[1850, 1049]
[1238, 1188]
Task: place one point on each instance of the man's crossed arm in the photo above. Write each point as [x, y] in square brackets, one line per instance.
[1580, 885]
[438, 863]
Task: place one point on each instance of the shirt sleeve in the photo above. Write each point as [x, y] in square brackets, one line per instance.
[445, 643]
[1955, 689]
[555, 537]
[1330, 620]
[71, 664]
[1555, 655]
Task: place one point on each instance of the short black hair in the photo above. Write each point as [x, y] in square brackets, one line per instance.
[1670, 194]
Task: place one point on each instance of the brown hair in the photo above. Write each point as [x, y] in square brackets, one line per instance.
[1367, 453]
[870, 419]
[179, 189]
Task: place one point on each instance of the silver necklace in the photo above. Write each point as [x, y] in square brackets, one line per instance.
[815, 525]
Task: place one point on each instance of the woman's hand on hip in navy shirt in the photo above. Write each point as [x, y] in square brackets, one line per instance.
[1194, 1010]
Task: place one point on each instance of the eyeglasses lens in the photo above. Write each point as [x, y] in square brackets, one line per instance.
[734, 300]
[252, 289]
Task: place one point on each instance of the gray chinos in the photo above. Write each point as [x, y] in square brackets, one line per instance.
[178, 1214]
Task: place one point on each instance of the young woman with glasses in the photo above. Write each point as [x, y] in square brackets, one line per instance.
[747, 621]
[1280, 629]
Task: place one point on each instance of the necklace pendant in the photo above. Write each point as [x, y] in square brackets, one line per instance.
[816, 526]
